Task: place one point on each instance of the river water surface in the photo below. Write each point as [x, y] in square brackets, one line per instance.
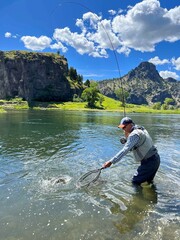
[39, 147]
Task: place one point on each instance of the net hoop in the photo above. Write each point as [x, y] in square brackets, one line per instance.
[83, 182]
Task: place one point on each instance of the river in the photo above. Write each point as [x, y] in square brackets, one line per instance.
[39, 147]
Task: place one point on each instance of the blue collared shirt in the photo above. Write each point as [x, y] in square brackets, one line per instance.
[131, 142]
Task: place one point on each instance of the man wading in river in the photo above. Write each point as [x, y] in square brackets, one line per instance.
[138, 140]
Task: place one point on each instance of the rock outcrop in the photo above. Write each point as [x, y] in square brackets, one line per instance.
[35, 76]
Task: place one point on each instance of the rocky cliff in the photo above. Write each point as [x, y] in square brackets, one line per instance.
[35, 76]
[144, 85]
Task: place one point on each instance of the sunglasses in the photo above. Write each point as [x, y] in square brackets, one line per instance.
[124, 127]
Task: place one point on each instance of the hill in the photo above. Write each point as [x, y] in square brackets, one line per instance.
[144, 86]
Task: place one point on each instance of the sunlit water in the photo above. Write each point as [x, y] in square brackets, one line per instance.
[39, 147]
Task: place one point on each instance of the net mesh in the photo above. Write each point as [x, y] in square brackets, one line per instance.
[89, 178]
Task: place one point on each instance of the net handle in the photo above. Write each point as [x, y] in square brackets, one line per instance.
[90, 172]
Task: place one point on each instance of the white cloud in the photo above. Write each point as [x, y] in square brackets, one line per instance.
[125, 50]
[176, 63]
[147, 24]
[59, 45]
[166, 74]
[112, 12]
[173, 14]
[92, 75]
[75, 40]
[7, 34]
[92, 18]
[156, 61]
[36, 44]
[94, 38]
[142, 27]
[104, 36]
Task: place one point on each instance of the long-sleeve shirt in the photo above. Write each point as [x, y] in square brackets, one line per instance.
[131, 142]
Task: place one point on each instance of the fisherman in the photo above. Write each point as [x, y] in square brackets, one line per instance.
[138, 140]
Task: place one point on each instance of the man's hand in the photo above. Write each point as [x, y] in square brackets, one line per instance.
[107, 164]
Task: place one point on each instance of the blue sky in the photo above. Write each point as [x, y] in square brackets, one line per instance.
[101, 39]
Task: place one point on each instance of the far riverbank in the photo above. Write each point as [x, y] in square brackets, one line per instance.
[108, 105]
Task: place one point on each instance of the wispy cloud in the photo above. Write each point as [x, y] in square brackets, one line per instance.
[10, 35]
[93, 75]
[112, 12]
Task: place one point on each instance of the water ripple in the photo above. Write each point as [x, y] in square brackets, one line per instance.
[43, 154]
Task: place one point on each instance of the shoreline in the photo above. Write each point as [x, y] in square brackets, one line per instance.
[80, 106]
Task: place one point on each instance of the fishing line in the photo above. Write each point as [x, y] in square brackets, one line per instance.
[113, 49]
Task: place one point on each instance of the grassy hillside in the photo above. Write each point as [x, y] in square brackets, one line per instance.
[108, 104]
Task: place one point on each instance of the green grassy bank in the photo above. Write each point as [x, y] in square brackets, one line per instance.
[108, 104]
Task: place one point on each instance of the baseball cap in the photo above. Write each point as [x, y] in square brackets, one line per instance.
[125, 121]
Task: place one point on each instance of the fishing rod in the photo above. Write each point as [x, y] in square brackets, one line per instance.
[113, 49]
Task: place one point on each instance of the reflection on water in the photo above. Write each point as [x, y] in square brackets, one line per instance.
[43, 154]
[138, 207]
